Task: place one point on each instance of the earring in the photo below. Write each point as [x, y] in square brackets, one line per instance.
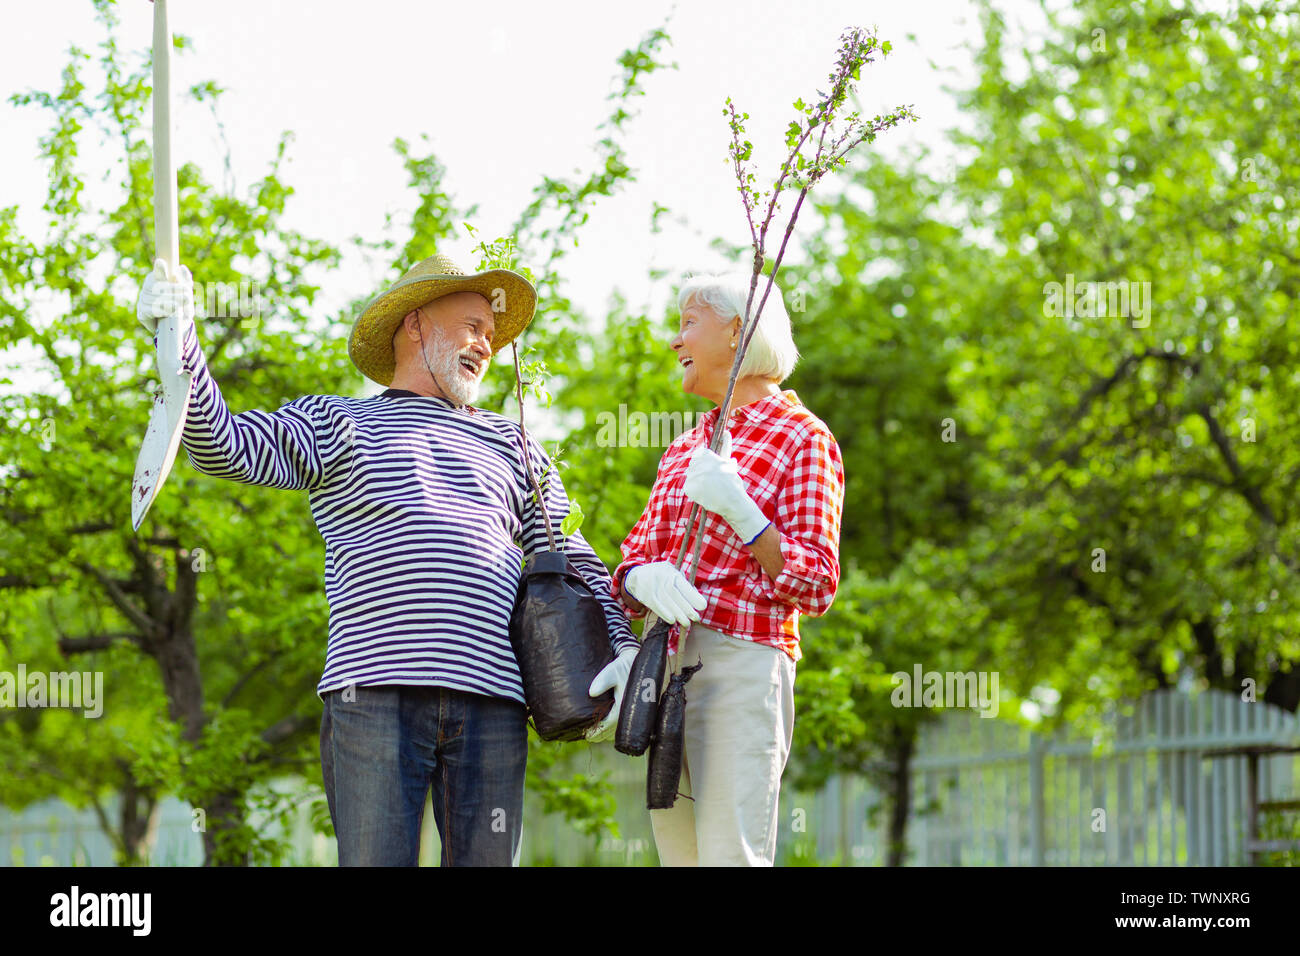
[733, 343]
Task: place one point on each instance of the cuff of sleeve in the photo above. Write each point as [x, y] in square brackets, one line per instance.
[622, 644]
[616, 581]
[793, 585]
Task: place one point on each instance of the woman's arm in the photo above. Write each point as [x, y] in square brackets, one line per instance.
[633, 605]
[766, 549]
[809, 509]
[645, 543]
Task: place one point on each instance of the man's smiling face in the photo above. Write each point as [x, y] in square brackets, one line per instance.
[450, 339]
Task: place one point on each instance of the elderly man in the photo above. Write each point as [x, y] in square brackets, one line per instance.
[426, 511]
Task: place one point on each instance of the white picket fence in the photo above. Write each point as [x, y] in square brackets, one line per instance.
[987, 792]
[984, 792]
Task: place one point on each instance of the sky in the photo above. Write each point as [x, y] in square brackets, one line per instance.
[506, 93]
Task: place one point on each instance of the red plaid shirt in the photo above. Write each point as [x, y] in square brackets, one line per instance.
[791, 466]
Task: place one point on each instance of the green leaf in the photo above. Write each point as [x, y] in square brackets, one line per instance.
[573, 520]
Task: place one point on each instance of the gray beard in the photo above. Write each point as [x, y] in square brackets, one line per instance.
[450, 376]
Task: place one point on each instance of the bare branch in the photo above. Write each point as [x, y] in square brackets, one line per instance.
[94, 528]
[94, 642]
[1247, 490]
[1102, 384]
[282, 730]
[243, 681]
[114, 591]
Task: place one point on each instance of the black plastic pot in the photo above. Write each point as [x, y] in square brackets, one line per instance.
[639, 713]
[664, 771]
[561, 641]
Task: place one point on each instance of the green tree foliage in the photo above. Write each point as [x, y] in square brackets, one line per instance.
[1129, 154]
[1112, 510]
[227, 620]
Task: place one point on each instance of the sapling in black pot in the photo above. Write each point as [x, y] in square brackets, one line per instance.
[558, 628]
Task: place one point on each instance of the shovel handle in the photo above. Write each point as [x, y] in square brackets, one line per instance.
[165, 215]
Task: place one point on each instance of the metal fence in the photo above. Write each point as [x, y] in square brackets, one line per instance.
[985, 792]
[1148, 793]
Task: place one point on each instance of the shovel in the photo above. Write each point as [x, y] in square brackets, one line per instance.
[171, 402]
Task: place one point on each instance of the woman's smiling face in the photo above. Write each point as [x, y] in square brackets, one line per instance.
[703, 347]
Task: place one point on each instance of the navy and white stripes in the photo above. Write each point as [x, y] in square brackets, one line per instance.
[426, 514]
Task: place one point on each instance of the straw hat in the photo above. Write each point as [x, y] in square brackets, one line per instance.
[370, 346]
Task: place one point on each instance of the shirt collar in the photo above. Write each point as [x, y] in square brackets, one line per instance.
[407, 393]
[761, 409]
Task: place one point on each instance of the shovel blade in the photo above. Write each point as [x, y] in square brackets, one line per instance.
[161, 440]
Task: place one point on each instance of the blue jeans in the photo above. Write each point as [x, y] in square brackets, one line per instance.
[383, 749]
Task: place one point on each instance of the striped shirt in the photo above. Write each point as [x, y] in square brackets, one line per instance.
[791, 467]
[426, 513]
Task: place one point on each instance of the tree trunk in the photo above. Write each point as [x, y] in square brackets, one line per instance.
[174, 648]
[1207, 643]
[901, 748]
[225, 815]
[137, 823]
[1284, 689]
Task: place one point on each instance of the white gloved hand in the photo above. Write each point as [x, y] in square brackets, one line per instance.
[713, 482]
[664, 589]
[160, 297]
[613, 675]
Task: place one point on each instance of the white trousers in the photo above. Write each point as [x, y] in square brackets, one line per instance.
[739, 724]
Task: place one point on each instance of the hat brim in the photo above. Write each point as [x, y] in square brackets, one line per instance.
[370, 345]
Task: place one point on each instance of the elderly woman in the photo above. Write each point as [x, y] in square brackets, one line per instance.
[772, 505]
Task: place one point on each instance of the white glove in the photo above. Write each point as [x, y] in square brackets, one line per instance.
[614, 675]
[713, 482]
[664, 589]
[160, 297]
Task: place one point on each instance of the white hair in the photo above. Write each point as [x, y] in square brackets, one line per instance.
[771, 353]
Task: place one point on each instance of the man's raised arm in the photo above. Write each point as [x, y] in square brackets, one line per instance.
[295, 447]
